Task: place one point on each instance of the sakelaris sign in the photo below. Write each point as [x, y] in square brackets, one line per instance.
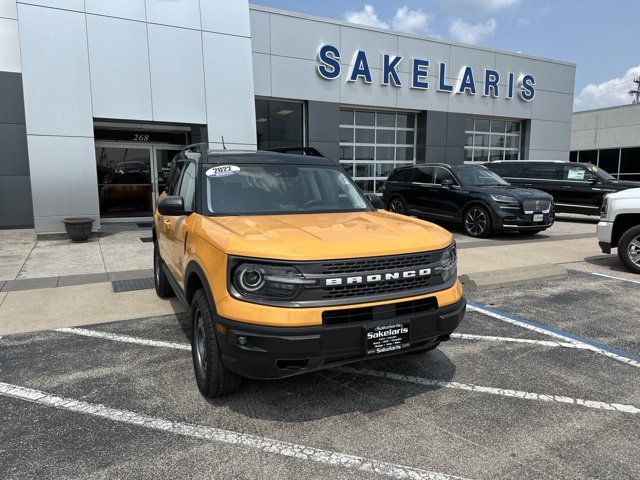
[523, 86]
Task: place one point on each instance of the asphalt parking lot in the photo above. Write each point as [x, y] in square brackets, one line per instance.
[541, 381]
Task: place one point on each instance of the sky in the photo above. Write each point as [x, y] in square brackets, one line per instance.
[596, 35]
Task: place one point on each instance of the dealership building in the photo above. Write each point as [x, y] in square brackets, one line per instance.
[97, 96]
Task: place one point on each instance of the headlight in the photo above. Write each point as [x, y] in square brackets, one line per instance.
[504, 201]
[261, 281]
[449, 262]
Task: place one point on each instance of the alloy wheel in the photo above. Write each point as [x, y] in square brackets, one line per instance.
[475, 222]
[396, 206]
[634, 250]
[200, 345]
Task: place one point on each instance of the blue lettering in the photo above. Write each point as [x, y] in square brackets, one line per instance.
[420, 73]
[442, 85]
[510, 90]
[466, 82]
[491, 79]
[360, 68]
[527, 90]
[389, 71]
[330, 58]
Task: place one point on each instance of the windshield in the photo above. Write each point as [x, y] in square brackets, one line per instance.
[471, 176]
[279, 189]
[601, 174]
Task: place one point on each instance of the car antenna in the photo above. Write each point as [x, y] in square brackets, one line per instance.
[224, 147]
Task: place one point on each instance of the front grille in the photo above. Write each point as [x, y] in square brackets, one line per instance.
[356, 290]
[379, 313]
[377, 264]
[536, 205]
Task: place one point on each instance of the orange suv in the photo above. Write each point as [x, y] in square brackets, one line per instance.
[287, 267]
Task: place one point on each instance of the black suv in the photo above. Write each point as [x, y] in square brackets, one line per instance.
[576, 187]
[471, 195]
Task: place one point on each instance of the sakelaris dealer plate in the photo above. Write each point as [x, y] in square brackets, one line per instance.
[386, 338]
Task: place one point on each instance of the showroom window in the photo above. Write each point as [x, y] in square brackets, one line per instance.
[492, 139]
[279, 124]
[373, 143]
[624, 164]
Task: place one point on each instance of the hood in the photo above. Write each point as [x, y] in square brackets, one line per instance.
[323, 236]
[631, 193]
[516, 192]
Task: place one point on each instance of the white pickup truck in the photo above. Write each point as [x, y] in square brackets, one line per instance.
[620, 227]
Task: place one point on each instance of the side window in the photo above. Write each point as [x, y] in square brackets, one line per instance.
[575, 172]
[502, 169]
[188, 186]
[401, 175]
[443, 174]
[422, 175]
[544, 171]
[174, 176]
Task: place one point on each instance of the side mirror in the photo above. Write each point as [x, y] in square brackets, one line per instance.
[447, 183]
[172, 206]
[593, 179]
[375, 200]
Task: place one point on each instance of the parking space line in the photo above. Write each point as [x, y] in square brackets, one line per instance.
[85, 332]
[588, 344]
[286, 449]
[617, 407]
[546, 343]
[615, 278]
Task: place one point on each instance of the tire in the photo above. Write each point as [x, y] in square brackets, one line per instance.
[397, 205]
[629, 249]
[160, 281]
[213, 378]
[476, 221]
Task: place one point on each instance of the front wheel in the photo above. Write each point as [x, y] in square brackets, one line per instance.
[397, 205]
[629, 249]
[213, 378]
[477, 221]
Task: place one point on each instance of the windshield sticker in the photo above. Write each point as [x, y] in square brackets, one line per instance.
[222, 171]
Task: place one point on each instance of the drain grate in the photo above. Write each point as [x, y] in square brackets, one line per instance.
[146, 239]
[132, 284]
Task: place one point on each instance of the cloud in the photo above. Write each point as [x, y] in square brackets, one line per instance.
[480, 6]
[472, 32]
[404, 20]
[608, 93]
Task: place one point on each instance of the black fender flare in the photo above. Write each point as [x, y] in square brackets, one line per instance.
[193, 267]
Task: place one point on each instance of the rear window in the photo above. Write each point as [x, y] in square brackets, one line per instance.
[401, 175]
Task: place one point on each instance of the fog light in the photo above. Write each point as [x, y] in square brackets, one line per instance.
[242, 340]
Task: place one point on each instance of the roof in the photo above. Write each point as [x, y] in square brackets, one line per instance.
[253, 156]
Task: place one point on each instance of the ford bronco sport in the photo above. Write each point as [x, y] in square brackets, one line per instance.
[286, 267]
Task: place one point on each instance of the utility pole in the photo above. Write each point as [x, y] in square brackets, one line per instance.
[636, 93]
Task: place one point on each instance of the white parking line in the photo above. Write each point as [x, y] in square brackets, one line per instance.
[85, 332]
[545, 343]
[617, 407]
[551, 333]
[615, 278]
[286, 449]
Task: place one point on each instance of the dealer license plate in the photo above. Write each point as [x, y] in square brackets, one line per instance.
[387, 338]
[538, 217]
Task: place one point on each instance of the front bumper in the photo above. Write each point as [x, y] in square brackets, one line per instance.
[278, 352]
[510, 220]
[605, 234]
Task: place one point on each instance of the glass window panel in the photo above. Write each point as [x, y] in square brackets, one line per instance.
[589, 156]
[406, 120]
[348, 167]
[384, 169]
[469, 140]
[513, 127]
[481, 140]
[404, 153]
[365, 119]
[480, 155]
[633, 177]
[346, 135]
[468, 124]
[365, 185]
[423, 175]
[384, 153]
[511, 155]
[468, 155]
[346, 153]
[512, 142]
[482, 125]
[496, 155]
[262, 123]
[364, 170]
[379, 186]
[386, 119]
[497, 141]
[608, 160]
[630, 162]
[285, 122]
[405, 137]
[498, 126]
[573, 156]
[346, 117]
[365, 135]
[364, 153]
[386, 136]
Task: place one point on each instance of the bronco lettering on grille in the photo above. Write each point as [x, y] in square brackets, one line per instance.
[376, 277]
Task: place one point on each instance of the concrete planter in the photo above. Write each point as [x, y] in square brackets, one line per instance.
[78, 229]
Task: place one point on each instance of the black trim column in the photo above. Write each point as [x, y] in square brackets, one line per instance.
[323, 128]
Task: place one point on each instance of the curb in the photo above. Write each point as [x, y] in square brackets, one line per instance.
[478, 282]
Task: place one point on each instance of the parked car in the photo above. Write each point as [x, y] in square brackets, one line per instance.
[619, 227]
[287, 268]
[576, 187]
[470, 195]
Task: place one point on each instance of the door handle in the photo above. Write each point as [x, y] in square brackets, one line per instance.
[528, 184]
[167, 224]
